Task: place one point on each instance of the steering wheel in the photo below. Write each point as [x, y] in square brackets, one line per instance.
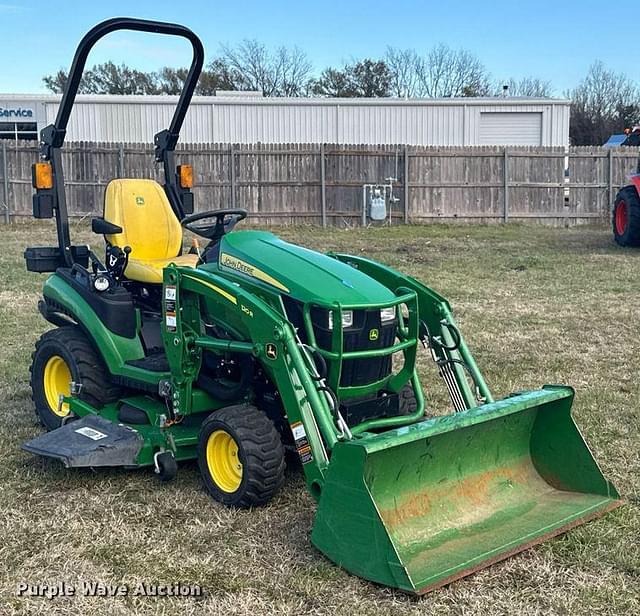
[225, 220]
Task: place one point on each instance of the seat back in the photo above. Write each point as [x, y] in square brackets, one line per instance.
[148, 223]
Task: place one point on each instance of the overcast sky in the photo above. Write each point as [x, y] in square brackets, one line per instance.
[551, 40]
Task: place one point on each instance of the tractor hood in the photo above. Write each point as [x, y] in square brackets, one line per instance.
[307, 275]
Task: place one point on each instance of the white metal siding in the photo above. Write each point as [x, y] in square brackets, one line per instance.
[437, 122]
[264, 123]
[510, 128]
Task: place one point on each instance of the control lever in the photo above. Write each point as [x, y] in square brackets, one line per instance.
[117, 260]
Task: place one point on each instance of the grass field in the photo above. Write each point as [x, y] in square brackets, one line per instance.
[537, 305]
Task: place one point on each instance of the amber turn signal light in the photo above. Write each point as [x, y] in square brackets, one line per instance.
[42, 176]
[185, 173]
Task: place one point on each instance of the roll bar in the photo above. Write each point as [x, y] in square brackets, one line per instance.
[52, 137]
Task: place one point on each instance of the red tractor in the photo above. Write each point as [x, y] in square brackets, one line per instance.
[626, 213]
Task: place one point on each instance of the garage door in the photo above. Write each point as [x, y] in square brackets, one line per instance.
[510, 128]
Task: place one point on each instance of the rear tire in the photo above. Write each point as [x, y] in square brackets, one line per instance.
[626, 217]
[64, 355]
[240, 456]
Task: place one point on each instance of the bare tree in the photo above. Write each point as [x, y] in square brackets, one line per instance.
[283, 72]
[603, 103]
[527, 86]
[446, 72]
[404, 65]
[294, 69]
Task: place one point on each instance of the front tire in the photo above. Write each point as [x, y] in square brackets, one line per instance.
[626, 217]
[240, 456]
[62, 356]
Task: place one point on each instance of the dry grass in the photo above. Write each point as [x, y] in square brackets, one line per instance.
[537, 305]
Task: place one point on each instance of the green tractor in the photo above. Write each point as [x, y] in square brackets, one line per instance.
[252, 347]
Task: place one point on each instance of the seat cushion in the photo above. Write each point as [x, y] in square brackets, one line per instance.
[150, 270]
[149, 225]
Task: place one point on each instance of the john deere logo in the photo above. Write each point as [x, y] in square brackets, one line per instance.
[139, 200]
[373, 334]
[271, 351]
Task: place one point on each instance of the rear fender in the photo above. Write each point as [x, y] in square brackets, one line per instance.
[114, 349]
[635, 181]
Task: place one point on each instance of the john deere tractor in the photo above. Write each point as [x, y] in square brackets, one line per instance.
[249, 347]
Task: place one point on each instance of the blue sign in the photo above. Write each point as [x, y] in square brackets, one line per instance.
[18, 112]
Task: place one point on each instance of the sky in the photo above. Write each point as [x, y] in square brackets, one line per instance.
[555, 41]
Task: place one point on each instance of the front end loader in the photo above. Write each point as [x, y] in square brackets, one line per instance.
[250, 347]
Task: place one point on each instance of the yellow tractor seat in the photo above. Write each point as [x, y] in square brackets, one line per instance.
[151, 270]
[149, 227]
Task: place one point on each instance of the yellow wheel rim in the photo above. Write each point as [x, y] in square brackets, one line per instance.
[57, 382]
[223, 461]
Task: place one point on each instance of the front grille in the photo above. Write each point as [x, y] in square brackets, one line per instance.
[355, 372]
[364, 371]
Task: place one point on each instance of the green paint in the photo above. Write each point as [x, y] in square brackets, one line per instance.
[115, 350]
[310, 276]
[420, 505]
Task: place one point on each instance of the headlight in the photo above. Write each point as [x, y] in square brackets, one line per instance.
[347, 319]
[388, 314]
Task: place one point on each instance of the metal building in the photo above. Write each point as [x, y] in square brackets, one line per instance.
[254, 119]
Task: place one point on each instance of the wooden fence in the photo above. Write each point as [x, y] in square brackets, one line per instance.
[323, 184]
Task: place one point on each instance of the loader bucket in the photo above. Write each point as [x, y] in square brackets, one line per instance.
[420, 506]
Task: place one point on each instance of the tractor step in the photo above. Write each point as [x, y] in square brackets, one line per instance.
[157, 362]
[89, 441]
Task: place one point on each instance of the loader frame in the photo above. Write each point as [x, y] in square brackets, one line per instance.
[264, 333]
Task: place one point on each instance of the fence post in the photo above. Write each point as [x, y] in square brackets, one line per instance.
[121, 160]
[5, 181]
[232, 175]
[505, 214]
[406, 184]
[323, 188]
[610, 177]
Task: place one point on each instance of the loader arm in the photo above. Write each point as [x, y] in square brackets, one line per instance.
[267, 336]
[448, 347]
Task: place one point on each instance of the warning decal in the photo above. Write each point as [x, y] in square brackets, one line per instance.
[302, 442]
[170, 307]
[171, 321]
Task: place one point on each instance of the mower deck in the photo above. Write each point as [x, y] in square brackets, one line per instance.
[89, 441]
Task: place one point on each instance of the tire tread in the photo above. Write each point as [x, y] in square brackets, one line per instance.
[97, 389]
[264, 456]
[631, 236]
